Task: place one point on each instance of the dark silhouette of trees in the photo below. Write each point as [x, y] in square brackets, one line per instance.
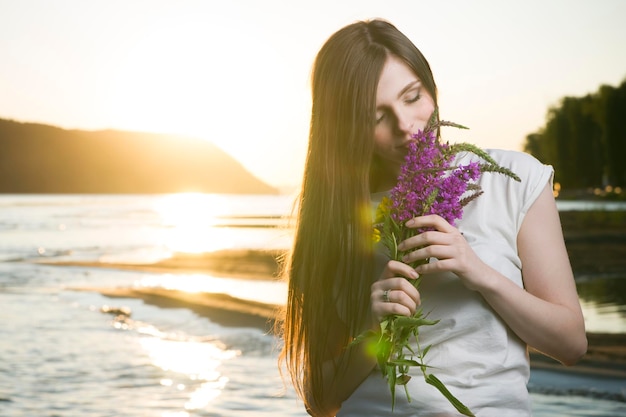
[585, 139]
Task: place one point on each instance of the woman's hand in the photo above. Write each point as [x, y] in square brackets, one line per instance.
[393, 293]
[545, 313]
[447, 244]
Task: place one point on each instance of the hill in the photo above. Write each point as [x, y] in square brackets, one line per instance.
[37, 158]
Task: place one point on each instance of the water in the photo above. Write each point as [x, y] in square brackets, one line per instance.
[62, 356]
[575, 205]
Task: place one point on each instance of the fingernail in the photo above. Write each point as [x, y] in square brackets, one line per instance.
[410, 223]
[414, 274]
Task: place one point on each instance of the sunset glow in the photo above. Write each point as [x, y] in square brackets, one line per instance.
[192, 220]
[237, 73]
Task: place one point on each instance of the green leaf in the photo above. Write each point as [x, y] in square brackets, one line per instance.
[391, 379]
[431, 199]
[470, 147]
[384, 324]
[403, 379]
[416, 282]
[460, 407]
[490, 166]
[452, 124]
[425, 351]
[500, 170]
[403, 321]
[403, 362]
[363, 336]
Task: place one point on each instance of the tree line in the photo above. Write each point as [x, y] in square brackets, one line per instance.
[584, 139]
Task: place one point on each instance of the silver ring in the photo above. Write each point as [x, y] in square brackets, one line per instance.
[386, 296]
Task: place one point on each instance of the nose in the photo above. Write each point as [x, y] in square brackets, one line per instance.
[404, 122]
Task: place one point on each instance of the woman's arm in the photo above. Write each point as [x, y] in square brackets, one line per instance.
[546, 314]
[351, 365]
[558, 327]
[341, 376]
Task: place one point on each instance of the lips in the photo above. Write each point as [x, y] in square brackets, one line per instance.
[404, 145]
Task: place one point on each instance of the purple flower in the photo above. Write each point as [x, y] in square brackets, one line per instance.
[428, 183]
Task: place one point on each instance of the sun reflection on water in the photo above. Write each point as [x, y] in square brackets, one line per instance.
[192, 219]
[603, 303]
[271, 292]
[196, 359]
[604, 318]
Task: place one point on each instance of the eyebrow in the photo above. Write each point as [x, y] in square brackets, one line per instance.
[408, 87]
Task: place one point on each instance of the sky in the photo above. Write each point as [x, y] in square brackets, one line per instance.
[237, 72]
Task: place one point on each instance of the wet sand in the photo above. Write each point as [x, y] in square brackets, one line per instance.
[606, 354]
[220, 308]
[243, 263]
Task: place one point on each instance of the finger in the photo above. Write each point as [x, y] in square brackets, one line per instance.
[396, 268]
[433, 251]
[425, 239]
[390, 309]
[409, 300]
[393, 302]
[398, 309]
[395, 290]
[440, 265]
[432, 220]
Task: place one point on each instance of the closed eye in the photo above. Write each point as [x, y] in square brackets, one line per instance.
[380, 118]
[414, 98]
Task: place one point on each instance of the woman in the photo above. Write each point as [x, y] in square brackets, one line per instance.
[499, 281]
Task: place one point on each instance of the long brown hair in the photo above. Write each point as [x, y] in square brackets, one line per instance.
[330, 267]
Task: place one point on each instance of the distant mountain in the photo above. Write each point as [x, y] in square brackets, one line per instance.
[36, 158]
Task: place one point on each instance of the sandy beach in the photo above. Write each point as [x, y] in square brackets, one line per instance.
[598, 247]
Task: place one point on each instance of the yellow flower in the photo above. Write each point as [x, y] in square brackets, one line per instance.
[382, 210]
[376, 235]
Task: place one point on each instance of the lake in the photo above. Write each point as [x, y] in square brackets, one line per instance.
[61, 356]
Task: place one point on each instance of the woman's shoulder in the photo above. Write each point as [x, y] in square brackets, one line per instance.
[511, 158]
[534, 175]
[525, 165]
[506, 201]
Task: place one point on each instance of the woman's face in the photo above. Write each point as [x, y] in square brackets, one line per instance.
[403, 107]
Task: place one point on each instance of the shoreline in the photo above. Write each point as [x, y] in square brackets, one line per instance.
[233, 263]
[606, 354]
[223, 309]
[595, 241]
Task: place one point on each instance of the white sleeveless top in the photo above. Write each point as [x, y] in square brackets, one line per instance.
[479, 359]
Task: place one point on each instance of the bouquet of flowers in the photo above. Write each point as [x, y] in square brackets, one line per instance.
[429, 183]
